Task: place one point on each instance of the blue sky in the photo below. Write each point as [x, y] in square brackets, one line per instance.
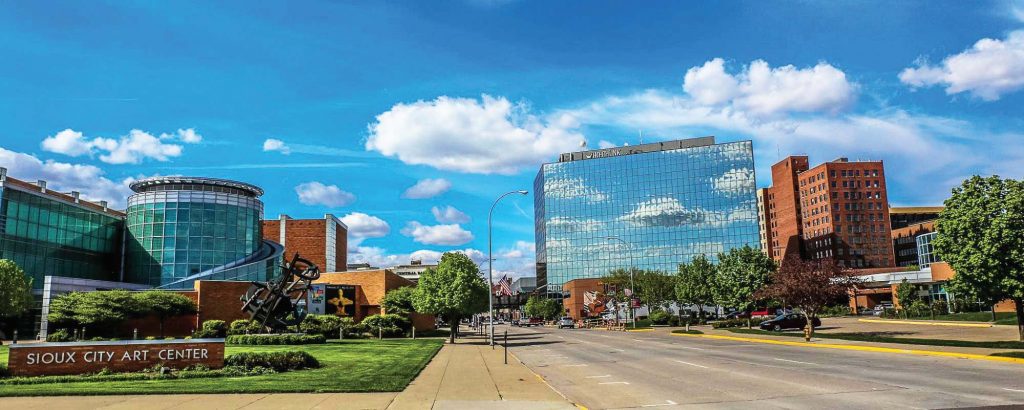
[342, 107]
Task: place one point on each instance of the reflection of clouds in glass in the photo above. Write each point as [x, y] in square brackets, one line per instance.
[574, 225]
[735, 182]
[664, 212]
[563, 187]
[711, 249]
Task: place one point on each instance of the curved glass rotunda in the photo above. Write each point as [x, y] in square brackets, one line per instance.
[181, 229]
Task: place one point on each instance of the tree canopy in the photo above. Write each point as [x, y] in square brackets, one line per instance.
[399, 301]
[809, 284]
[980, 234]
[164, 305]
[695, 283]
[453, 290]
[741, 273]
[15, 289]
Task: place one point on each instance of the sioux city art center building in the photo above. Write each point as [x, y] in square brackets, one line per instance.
[662, 203]
[203, 237]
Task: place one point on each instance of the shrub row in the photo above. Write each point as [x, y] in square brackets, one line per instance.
[278, 361]
[272, 339]
[722, 324]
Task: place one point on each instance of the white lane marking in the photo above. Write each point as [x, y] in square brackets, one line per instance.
[575, 365]
[666, 403]
[637, 340]
[598, 377]
[691, 364]
[618, 350]
[795, 361]
[691, 348]
[614, 383]
[1018, 391]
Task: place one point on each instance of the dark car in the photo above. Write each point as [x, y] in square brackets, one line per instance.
[788, 321]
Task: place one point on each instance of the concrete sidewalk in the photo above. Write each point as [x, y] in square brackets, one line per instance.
[466, 375]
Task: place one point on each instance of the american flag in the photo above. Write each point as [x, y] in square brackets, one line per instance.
[504, 286]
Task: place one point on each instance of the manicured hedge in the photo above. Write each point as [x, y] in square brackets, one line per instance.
[722, 324]
[278, 361]
[293, 339]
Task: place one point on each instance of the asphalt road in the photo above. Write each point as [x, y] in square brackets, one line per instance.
[610, 370]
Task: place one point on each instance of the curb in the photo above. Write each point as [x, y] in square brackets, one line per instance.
[923, 323]
[862, 348]
[542, 380]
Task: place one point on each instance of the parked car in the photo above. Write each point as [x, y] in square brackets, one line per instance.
[739, 314]
[533, 321]
[788, 321]
[566, 322]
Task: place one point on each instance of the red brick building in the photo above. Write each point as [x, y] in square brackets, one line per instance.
[838, 209]
[322, 241]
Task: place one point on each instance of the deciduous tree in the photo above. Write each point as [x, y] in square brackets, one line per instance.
[980, 234]
[905, 295]
[453, 290]
[810, 285]
[15, 290]
[695, 283]
[741, 273]
[164, 305]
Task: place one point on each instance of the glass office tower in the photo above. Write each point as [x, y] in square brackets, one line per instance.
[181, 229]
[666, 202]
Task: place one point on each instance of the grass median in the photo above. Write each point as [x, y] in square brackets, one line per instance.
[347, 366]
[868, 337]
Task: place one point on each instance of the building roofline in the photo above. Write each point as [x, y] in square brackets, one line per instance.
[915, 209]
[68, 198]
[659, 146]
[137, 186]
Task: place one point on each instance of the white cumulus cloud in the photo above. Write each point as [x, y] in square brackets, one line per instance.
[361, 226]
[449, 215]
[270, 145]
[427, 188]
[762, 90]
[316, 193]
[487, 136]
[445, 234]
[133, 148]
[60, 176]
[989, 69]
[572, 188]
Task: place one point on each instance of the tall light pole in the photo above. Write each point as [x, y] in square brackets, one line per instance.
[490, 266]
[632, 285]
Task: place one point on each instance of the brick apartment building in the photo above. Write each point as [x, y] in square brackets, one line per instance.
[838, 209]
[322, 241]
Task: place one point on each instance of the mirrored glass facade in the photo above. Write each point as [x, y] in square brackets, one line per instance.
[178, 228]
[926, 255]
[666, 206]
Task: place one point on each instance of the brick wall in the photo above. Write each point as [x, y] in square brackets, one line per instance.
[783, 207]
[576, 288]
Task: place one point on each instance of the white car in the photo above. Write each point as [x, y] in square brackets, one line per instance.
[566, 322]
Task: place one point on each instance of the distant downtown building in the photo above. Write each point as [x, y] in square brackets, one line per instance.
[666, 201]
[838, 209]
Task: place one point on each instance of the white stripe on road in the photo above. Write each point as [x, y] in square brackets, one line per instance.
[666, 403]
[575, 365]
[691, 364]
[598, 377]
[1018, 391]
[618, 350]
[615, 383]
[637, 340]
[691, 348]
[795, 361]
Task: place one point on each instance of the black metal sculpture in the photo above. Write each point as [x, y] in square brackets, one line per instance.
[280, 303]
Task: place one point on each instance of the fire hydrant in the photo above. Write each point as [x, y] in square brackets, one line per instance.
[807, 333]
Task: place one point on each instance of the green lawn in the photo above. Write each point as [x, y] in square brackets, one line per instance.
[868, 337]
[347, 366]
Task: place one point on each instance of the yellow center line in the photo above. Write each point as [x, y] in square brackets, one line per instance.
[862, 348]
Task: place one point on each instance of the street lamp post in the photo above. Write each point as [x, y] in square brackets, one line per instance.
[490, 267]
[632, 285]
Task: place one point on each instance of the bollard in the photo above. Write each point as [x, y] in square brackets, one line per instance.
[83, 333]
[414, 332]
[506, 346]
[341, 333]
[15, 340]
[687, 327]
[135, 334]
[380, 333]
